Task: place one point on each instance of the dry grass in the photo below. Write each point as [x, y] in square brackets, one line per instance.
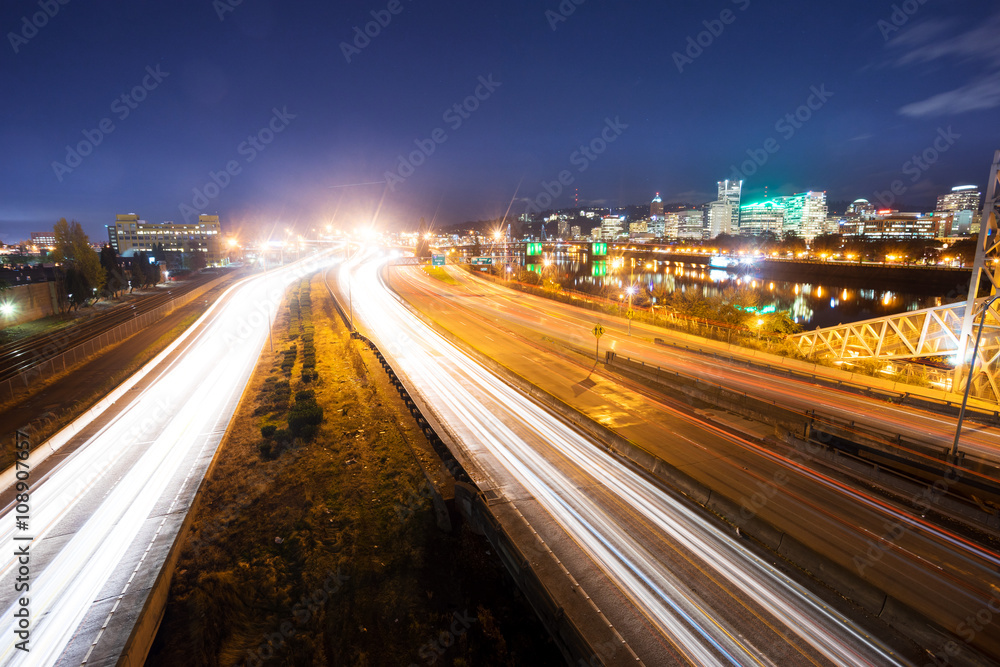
[392, 580]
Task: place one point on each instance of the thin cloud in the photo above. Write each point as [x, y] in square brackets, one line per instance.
[926, 43]
[981, 94]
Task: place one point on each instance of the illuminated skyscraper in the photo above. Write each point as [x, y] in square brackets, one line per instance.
[963, 202]
[805, 214]
[760, 217]
[656, 208]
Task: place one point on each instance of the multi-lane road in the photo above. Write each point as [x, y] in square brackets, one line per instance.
[942, 574]
[100, 520]
[679, 588]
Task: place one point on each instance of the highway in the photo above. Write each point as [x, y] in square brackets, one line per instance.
[103, 518]
[572, 325]
[678, 588]
[936, 571]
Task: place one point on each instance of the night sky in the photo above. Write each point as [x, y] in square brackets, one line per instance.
[884, 86]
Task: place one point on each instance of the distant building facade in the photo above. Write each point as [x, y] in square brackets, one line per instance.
[805, 214]
[760, 217]
[964, 198]
[690, 225]
[130, 235]
[656, 208]
[43, 239]
[887, 225]
[611, 227]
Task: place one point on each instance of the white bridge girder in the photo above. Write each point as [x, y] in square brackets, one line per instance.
[945, 331]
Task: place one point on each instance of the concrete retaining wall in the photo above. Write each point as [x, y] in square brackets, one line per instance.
[30, 302]
[57, 358]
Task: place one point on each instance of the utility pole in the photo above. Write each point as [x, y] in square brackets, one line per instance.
[987, 251]
[968, 379]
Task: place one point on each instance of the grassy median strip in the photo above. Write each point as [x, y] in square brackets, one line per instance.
[438, 273]
[325, 550]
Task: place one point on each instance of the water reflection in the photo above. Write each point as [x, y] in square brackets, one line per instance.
[811, 305]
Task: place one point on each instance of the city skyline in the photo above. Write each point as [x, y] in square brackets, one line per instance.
[294, 115]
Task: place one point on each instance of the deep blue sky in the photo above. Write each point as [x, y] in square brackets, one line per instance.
[686, 130]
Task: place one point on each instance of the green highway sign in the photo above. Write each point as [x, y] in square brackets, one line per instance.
[437, 260]
[482, 261]
[598, 331]
[599, 249]
[534, 249]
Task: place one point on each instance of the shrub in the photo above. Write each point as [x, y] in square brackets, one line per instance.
[304, 395]
[265, 450]
[268, 430]
[303, 415]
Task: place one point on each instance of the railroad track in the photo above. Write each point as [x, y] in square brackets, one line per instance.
[18, 356]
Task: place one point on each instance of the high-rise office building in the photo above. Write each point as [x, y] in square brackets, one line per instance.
[760, 217]
[723, 215]
[563, 232]
[690, 225]
[671, 223]
[611, 227]
[130, 235]
[805, 214]
[656, 208]
[719, 219]
[574, 231]
[962, 198]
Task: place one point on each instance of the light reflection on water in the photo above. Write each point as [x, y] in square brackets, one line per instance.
[811, 305]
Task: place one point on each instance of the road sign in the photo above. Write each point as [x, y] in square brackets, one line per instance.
[534, 249]
[437, 260]
[599, 249]
[598, 331]
[482, 261]
[630, 314]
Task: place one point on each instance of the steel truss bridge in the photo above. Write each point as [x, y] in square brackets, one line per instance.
[944, 331]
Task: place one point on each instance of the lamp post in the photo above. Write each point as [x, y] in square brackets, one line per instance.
[972, 368]
[629, 314]
[270, 343]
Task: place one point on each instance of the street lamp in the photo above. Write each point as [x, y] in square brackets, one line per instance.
[972, 368]
[630, 291]
[270, 343]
